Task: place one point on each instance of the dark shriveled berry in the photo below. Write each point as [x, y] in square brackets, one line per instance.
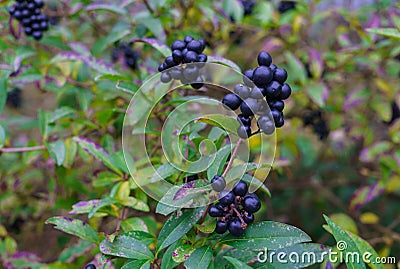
[218, 183]
[226, 197]
[251, 204]
[221, 227]
[235, 227]
[232, 101]
[240, 188]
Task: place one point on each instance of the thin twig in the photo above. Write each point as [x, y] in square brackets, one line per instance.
[23, 149]
[121, 218]
[232, 158]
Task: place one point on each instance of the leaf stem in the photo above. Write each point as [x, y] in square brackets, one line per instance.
[234, 153]
[23, 149]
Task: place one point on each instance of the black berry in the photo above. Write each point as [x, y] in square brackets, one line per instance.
[264, 58]
[251, 203]
[286, 92]
[232, 101]
[178, 45]
[248, 217]
[240, 188]
[235, 227]
[249, 107]
[280, 75]
[221, 227]
[218, 183]
[215, 211]
[244, 131]
[262, 76]
[90, 266]
[226, 197]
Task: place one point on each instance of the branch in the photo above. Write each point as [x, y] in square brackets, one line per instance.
[23, 149]
[232, 158]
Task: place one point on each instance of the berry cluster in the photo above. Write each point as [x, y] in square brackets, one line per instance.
[285, 6]
[184, 51]
[235, 208]
[315, 119]
[29, 14]
[123, 51]
[269, 81]
[90, 266]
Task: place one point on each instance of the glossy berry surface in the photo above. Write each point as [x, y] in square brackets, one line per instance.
[221, 227]
[240, 188]
[231, 101]
[218, 183]
[264, 58]
[262, 76]
[226, 197]
[215, 211]
[248, 217]
[235, 227]
[244, 132]
[251, 203]
[90, 266]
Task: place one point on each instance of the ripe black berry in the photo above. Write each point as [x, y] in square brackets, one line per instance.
[221, 227]
[280, 75]
[215, 211]
[249, 107]
[251, 203]
[191, 72]
[264, 58]
[246, 121]
[218, 183]
[192, 177]
[165, 77]
[90, 266]
[273, 89]
[232, 101]
[248, 77]
[276, 104]
[244, 131]
[195, 45]
[273, 67]
[257, 93]
[241, 90]
[285, 6]
[235, 227]
[190, 57]
[266, 125]
[188, 39]
[226, 197]
[262, 76]
[37, 35]
[178, 45]
[14, 98]
[202, 58]
[286, 92]
[177, 56]
[240, 188]
[248, 217]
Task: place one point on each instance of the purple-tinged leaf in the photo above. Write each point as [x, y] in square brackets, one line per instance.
[75, 227]
[318, 92]
[80, 48]
[355, 97]
[98, 152]
[158, 45]
[70, 254]
[272, 44]
[25, 255]
[27, 79]
[372, 152]
[316, 63]
[365, 195]
[84, 207]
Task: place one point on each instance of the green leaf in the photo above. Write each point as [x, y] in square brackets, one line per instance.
[236, 263]
[101, 45]
[60, 113]
[107, 7]
[43, 123]
[98, 152]
[200, 258]
[2, 136]
[390, 32]
[219, 162]
[267, 234]
[68, 255]
[75, 227]
[234, 8]
[318, 92]
[167, 261]
[224, 61]
[126, 246]
[3, 93]
[176, 227]
[57, 151]
[228, 124]
[349, 246]
[134, 224]
[155, 27]
[137, 264]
